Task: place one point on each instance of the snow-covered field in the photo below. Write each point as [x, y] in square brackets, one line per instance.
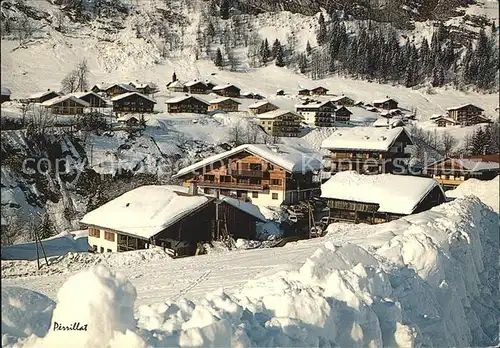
[430, 278]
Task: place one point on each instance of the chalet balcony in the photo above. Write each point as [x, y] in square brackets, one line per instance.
[234, 186]
[247, 173]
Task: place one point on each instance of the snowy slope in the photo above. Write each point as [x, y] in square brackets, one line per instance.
[429, 279]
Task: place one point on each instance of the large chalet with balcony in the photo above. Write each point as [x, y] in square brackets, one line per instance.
[368, 150]
[196, 87]
[41, 97]
[467, 115]
[133, 102]
[66, 105]
[265, 175]
[223, 104]
[281, 123]
[119, 88]
[228, 90]
[261, 107]
[386, 104]
[451, 172]
[95, 100]
[188, 104]
[323, 114]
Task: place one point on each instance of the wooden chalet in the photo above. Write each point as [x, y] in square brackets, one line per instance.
[129, 120]
[227, 90]
[443, 121]
[281, 123]
[5, 94]
[209, 84]
[320, 90]
[224, 104]
[187, 103]
[320, 114]
[94, 99]
[342, 100]
[373, 199]
[173, 217]
[389, 122]
[133, 102]
[176, 86]
[304, 91]
[343, 115]
[66, 105]
[280, 92]
[265, 175]
[143, 88]
[119, 88]
[196, 87]
[467, 115]
[261, 107]
[42, 96]
[99, 88]
[451, 172]
[368, 150]
[386, 104]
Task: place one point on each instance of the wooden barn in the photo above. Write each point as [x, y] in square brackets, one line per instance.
[304, 91]
[66, 105]
[196, 87]
[320, 90]
[372, 199]
[133, 102]
[228, 90]
[119, 88]
[224, 104]
[261, 107]
[343, 114]
[187, 103]
[342, 100]
[173, 217]
[386, 104]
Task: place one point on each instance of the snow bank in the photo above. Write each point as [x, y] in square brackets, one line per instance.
[430, 279]
[54, 246]
[486, 191]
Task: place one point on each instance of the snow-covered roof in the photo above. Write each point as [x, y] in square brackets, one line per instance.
[176, 83]
[220, 87]
[102, 86]
[463, 106]
[442, 117]
[5, 91]
[338, 98]
[384, 122]
[292, 159]
[382, 101]
[470, 164]
[41, 94]
[319, 87]
[62, 98]
[313, 105]
[397, 194]
[276, 113]
[259, 104]
[363, 138]
[127, 117]
[125, 86]
[248, 208]
[182, 98]
[146, 210]
[139, 85]
[192, 83]
[220, 100]
[83, 94]
[128, 94]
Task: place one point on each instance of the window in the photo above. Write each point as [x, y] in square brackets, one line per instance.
[255, 195]
[276, 182]
[225, 178]
[94, 248]
[108, 250]
[255, 181]
[209, 177]
[109, 236]
[102, 249]
[94, 232]
[274, 196]
[255, 166]
[270, 166]
[268, 128]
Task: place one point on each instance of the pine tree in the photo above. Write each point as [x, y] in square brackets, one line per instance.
[302, 62]
[210, 31]
[264, 51]
[308, 48]
[479, 142]
[279, 57]
[218, 61]
[321, 34]
[224, 9]
[276, 48]
[174, 77]
[321, 19]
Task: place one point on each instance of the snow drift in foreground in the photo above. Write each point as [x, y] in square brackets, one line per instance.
[430, 279]
[487, 191]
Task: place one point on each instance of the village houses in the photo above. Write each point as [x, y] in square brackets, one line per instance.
[227, 90]
[223, 104]
[176, 86]
[319, 114]
[467, 115]
[373, 199]
[173, 217]
[368, 150]
[281, 123]
[187, 103]
[95, 100]
[265, 175]
[133, 102]
[66, 105]
[261, 107]
[386, 104]
[451, 172]
[119, 88]
[196, 87]
[304, 91]
[320, 90]
[342, 100]
[143, 88]
[40, 97]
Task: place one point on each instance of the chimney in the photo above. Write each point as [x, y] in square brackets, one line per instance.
[193, 188]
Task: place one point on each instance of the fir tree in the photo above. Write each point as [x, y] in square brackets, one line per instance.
[321, 35]
[302, 62]
[224, 9]
[279, 57]
[276, 47]
[218, 61]
[264, 51]
[308, 48]
[174, 77]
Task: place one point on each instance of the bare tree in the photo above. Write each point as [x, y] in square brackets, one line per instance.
[11, 230]
[40, 122]
[82, 72]
[448, 142]
[25, 29]
[69, 83]
[252, 133]
[24, 107]
[237, 133]
[233, 61]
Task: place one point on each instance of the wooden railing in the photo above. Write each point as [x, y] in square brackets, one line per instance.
[229, 185]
